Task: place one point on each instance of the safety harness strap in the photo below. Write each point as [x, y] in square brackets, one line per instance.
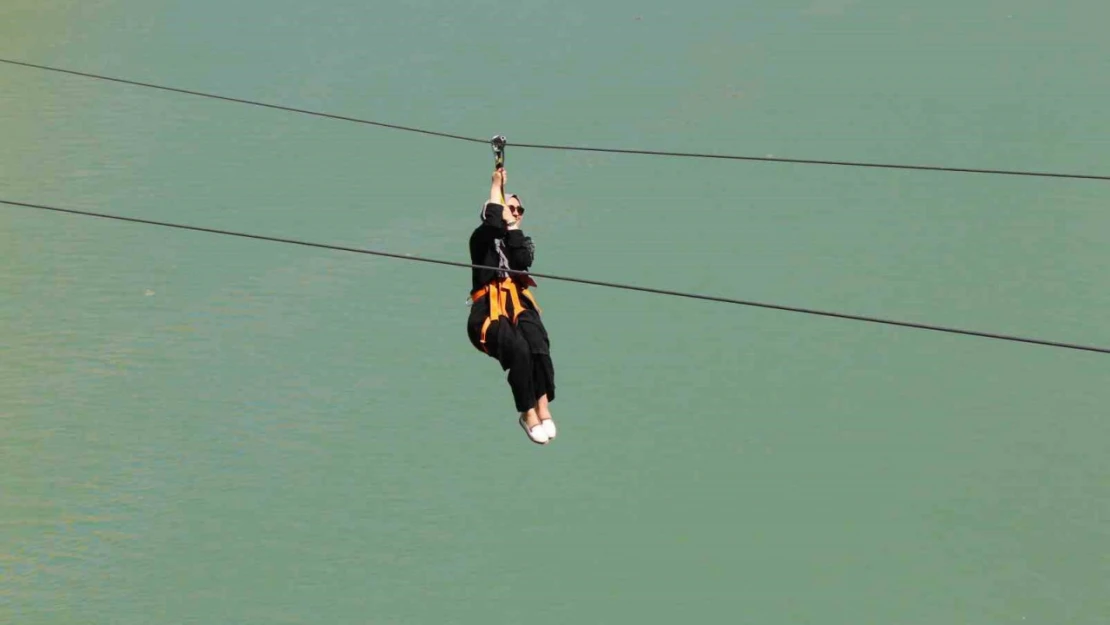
[501, 292]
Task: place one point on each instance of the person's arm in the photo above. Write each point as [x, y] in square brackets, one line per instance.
[496, 213]
[519, 248]
[493, 218]
[497, 186]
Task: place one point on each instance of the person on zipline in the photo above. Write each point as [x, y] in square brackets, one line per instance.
[504, 320]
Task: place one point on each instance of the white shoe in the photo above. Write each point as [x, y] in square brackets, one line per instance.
[537, 433]
[549, 427]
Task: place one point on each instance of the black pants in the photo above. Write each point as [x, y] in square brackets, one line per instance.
[523, 349]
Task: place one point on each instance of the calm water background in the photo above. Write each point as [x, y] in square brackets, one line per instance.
[202, 429]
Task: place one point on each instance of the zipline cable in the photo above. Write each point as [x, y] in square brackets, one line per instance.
[242, 101]
[541, 146]
[613, 285]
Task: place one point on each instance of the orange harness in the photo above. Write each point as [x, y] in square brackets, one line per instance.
[500, 293]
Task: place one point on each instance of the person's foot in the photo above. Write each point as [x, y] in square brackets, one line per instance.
[544, 414]
[535, 432]
[549, 427]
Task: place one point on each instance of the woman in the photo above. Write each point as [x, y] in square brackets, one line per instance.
[505, 320]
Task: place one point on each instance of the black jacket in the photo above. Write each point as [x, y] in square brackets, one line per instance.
[492, 244]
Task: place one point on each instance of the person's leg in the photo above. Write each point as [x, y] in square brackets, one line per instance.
[512, 351]
[544, 415]
[479, 310]
[543, 370]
